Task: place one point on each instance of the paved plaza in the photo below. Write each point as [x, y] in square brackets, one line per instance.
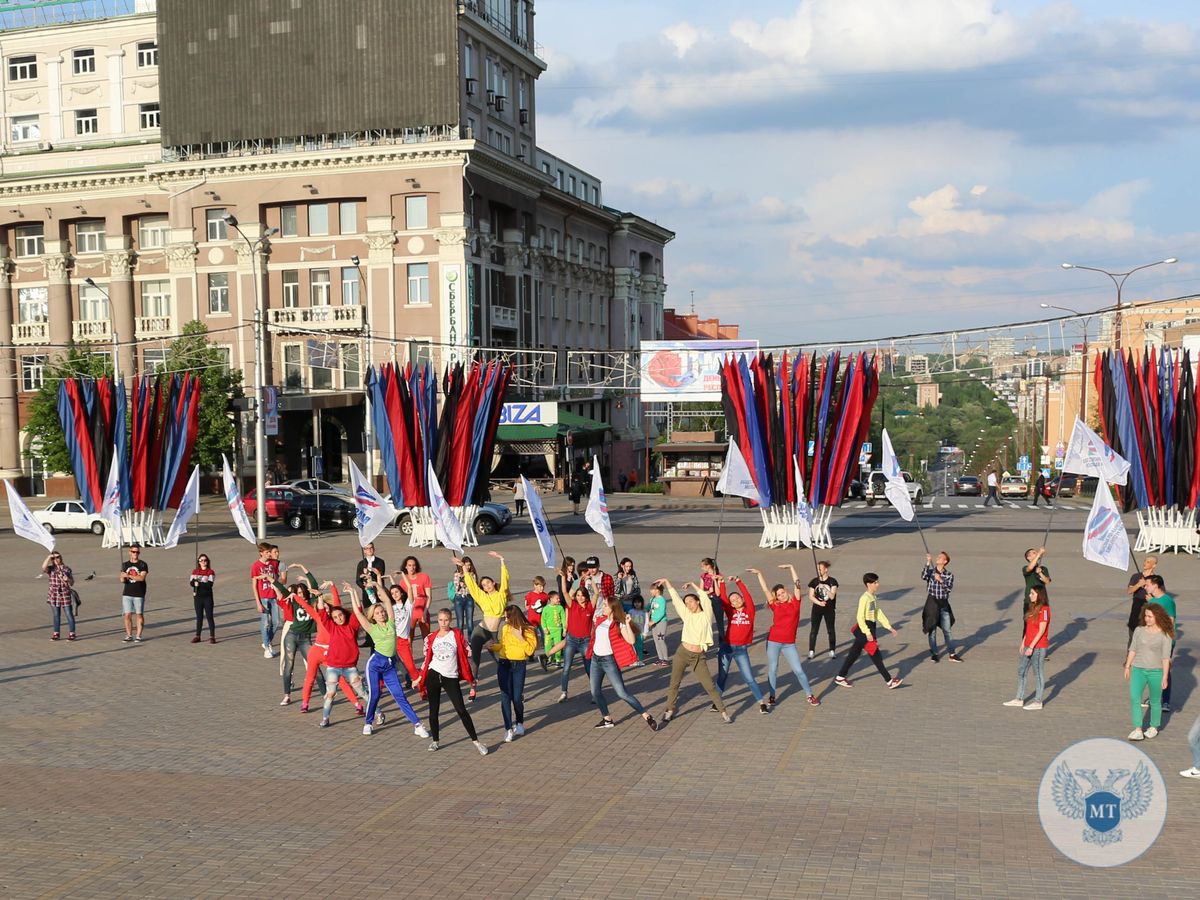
[167, 769]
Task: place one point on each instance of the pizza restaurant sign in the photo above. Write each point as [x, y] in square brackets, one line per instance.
[529, 414]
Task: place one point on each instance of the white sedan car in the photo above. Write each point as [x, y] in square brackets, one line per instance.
[69, 515]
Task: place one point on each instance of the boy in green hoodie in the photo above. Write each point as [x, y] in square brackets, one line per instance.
[554, 618]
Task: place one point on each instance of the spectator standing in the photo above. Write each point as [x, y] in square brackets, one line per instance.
[992, 484]
[1036, 574]
[938, 614]
[58, 593]
[133, 593]
[1137, 594]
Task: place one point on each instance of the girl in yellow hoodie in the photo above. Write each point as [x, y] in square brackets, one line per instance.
[516, 642]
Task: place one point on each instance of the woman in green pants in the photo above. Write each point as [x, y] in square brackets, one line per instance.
[1147, 667]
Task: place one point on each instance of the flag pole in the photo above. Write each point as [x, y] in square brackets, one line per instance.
[720, 522]
[1053, 506]
[920, 530]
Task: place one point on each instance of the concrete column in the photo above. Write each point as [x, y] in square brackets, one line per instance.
[10, 438]
[119, 257]
[58, 264]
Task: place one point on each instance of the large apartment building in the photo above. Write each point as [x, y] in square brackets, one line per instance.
[363, 178]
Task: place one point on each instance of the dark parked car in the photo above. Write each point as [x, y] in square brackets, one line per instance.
[335, 512]
[856, 490]
[1068, 486]
[968, 486]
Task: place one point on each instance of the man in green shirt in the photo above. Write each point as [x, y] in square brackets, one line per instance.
[1035, 573]
[1156, 592]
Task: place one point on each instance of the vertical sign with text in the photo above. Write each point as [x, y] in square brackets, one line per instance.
[454, 312]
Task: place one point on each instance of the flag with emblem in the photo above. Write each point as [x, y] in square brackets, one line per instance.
[189, 504]
[372, 512]
[541, 528]
[233, 498]
[1105, 540]
[23, 522]
[895, 487]
[445, 523]
[597, 507]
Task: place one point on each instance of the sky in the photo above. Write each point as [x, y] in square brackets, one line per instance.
[859, 169]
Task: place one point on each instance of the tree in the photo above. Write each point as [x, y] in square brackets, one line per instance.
[46, 440]
[192, 352]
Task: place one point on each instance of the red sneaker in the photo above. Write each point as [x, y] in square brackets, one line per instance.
[196, 639]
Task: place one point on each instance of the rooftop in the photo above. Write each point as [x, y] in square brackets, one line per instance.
[16, 14]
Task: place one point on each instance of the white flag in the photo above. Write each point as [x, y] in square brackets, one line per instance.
[110, 510]
[233, 497]
[804, 513]
[1087, 454]
[597, 508]
[541, 528]
[372, 512]
[735, 475]
[1104, 538]
[896, 489]
[445, 523]
[23, 522]
[189, 504]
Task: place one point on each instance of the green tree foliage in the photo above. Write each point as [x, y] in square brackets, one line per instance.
[191, 352]
[46, 439]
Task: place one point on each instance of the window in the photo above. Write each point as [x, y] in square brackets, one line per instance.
[83, 62]
[571, 184]
[350, 286]
[546, 168]
[416, 212]
[468, 60]
[291, 288]
[319, 287]
[147, 55]
[153, 359]
[86, 122]
[595, 195]
[89, 237]
[293, 365]
[152, 232]
[33, 371]
[29, 240]
[419, 352]
[26, 128]
[351, 370]
[579, 249]
[148, 116]
[226, 355]
[348, 218]
[156, 298]
[218, 292]
[33, 304]
[583, 186]
[318, 218]
[217, 229]
[558, 182]
[93, 305]
[288, 221]
[22, 68]
[322, 360]
[418, 282]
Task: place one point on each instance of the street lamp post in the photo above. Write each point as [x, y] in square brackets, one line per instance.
[260, 355]
[1085, 318]
[113, 324]
[1118, 279]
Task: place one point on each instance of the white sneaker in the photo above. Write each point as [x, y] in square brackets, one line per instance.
[811, 654]
[1137, 735]
[1017, 701]
[832, 655]
[1193, 772]
[562, 698]
[1151, 732]
[367, 728]
[433, 745]
[519, 730]
[421, 731]
[1034, 704]
[482, 749]
[268, 653]
[508, 736]
[379, 719]
[1145, 704]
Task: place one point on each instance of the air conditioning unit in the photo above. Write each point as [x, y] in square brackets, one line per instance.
[491, 96]
[524, 117]
[500, 103]
[470, 87]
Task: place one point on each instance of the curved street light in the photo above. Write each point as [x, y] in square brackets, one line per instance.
[1118, 279]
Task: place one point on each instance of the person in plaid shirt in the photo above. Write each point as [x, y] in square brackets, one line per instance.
[58, 593]
[937, 613]
[600, 583]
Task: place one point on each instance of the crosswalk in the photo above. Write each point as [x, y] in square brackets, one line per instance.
[954, 503]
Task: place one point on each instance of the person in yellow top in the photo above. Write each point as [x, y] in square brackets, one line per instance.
[491, 598]
[868, 619]
[517, 642]
[695, 611]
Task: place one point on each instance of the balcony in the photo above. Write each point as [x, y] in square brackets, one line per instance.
[153, 326]
[332, 318]
[88, 331]
[31, 332]
[504, 317]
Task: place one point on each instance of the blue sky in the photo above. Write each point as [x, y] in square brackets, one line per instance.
[854, 169]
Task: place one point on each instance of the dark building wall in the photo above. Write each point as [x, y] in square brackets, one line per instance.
[238, 70]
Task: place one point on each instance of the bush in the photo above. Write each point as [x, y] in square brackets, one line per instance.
[652, 488]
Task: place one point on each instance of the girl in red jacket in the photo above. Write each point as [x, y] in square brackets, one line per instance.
[610, 650]
[341, 657]
[739, 635]
[446, 663]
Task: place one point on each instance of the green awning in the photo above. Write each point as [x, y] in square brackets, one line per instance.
[567, 422]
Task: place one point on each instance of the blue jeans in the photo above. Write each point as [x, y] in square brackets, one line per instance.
[574, 646]
[56, 614]
[944, 624]
[1038, 661]
[464, 614]
[380, 668]
[741, 656]
[607, 666]
[511, 674]
[774, 648]
[332, 674]
[268, 621]
[1194, 740]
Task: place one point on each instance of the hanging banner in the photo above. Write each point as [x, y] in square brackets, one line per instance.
[454, 313]
[271, 410]
[685, 370]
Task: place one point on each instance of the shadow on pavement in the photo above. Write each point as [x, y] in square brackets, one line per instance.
[1056, 681]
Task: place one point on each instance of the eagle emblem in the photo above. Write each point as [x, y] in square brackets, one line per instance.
[1102, 805]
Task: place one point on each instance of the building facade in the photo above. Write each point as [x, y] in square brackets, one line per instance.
[414, 236]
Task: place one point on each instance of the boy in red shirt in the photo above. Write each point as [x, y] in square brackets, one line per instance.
[739, 635]
[263, 575]
[534, 601]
